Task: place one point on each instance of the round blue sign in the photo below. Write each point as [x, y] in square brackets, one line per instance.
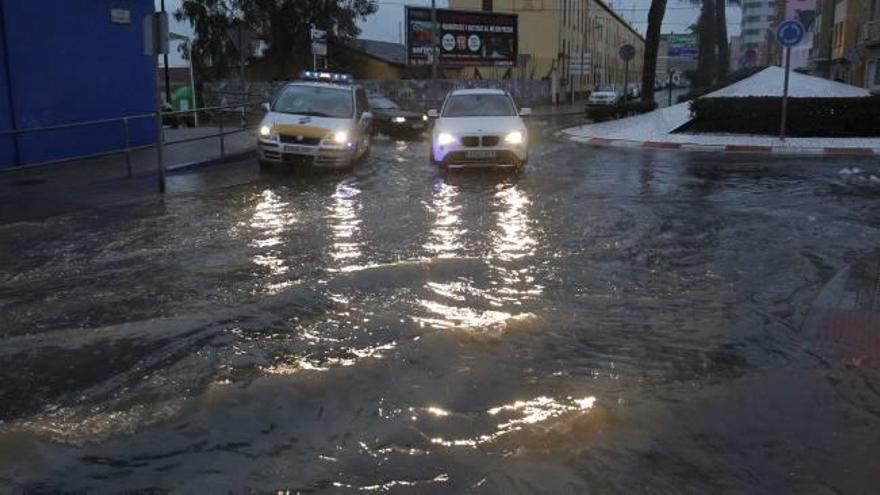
[790, 33]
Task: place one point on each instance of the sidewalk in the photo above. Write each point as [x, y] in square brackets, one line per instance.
[39, 192]
[143, 161]
[655, 130]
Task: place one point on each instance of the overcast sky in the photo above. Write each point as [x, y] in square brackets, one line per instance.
[386, 23]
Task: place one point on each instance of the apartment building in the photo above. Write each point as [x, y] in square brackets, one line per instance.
[758, 20]
[574, 43]
[870, 44]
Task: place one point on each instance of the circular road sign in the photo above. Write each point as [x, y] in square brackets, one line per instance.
[627, 52]
[790, 33]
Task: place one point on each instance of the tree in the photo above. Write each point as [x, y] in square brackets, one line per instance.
[707, 61]
[283, 25]
[721, 38]
[652, 45]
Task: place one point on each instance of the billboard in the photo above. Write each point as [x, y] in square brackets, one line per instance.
[805, 12]
[682, 46]
[466, 38]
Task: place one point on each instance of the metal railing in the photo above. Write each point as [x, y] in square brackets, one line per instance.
[220, 113]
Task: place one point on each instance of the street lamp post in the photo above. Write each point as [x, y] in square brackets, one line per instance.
[165, 62]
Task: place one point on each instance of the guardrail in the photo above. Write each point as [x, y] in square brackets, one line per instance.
[220, 112]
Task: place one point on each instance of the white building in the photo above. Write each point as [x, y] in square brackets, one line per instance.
[758, 19]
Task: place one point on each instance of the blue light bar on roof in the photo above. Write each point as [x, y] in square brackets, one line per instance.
[324, 76]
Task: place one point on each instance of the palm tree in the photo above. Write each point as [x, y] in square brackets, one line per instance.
[721, 29]
[707, 44]
[652, 44]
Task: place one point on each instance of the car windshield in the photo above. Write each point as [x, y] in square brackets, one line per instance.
[605, 89]
[383, 104]
[479, 105]
[319, 101]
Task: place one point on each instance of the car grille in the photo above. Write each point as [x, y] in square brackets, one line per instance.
[475, 141]
[310, 141]
[470, 141]
[490, 140]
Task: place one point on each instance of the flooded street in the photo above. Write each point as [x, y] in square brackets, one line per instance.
[607, 321]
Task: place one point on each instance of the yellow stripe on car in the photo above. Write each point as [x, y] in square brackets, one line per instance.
[301, 130]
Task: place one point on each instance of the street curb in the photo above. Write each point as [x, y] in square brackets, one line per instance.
[183, 167]
[719, 148]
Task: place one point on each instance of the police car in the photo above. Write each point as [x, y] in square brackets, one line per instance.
[323, 119]
[479, 127]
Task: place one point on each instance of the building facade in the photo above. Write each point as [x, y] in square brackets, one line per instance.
[574, 43]
[54, 71]
[758, 19]
[870, 44]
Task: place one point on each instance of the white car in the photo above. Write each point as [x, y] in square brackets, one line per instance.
[323, 121]
[604, 95]
[479, 127]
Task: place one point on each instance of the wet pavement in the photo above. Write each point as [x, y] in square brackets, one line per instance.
[609, 321]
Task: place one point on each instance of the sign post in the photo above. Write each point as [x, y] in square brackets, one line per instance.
[788, 34]
[319, 47]
[627, 53]
[156, 43]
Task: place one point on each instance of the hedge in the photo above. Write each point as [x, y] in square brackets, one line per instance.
[619, 110]
[807, 117]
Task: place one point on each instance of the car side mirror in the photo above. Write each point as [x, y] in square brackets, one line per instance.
[433, 114]
[265, 106]
[525, 112]
[367, 116]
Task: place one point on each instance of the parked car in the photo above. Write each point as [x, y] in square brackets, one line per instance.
[606, 94]
[322, 120]
[393, 121]
[479, 127]
[633, 91]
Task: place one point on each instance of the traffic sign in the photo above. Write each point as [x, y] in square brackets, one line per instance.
[319, 42]
[627, 52]
[790, 33]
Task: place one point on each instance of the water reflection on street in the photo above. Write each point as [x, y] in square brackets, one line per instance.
[606, 321]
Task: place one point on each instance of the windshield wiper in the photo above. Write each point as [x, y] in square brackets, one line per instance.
[310, 113]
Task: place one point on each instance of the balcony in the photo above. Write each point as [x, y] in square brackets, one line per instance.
[871, 33]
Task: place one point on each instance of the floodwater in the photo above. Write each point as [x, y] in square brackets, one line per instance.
[608, 321]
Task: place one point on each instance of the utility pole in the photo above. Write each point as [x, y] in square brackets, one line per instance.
[165, 61]
[435, 53]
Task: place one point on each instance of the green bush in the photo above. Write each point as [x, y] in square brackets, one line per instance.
[807, 117]
[619, 110]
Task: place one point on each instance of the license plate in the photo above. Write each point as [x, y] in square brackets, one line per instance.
[479, 154]
[300, 150]
[418, 126]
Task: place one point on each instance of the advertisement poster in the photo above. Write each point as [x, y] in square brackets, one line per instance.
[805, 12]
[465, 38]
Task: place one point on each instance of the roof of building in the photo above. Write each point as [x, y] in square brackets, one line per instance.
[393, 53]
[620, 19]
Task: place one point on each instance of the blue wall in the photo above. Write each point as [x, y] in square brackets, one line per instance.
[68, 63]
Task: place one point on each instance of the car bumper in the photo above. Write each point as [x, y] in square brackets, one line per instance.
[457, 156]
[323, 155]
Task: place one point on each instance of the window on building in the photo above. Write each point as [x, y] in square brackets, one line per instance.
[487, 5]
[877, 72]
[564, 12]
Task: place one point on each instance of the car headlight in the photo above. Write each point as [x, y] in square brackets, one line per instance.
[265, 131]
[424, 117]
[445, 138]
[398, 120]
[340, 137]
[515, 137]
